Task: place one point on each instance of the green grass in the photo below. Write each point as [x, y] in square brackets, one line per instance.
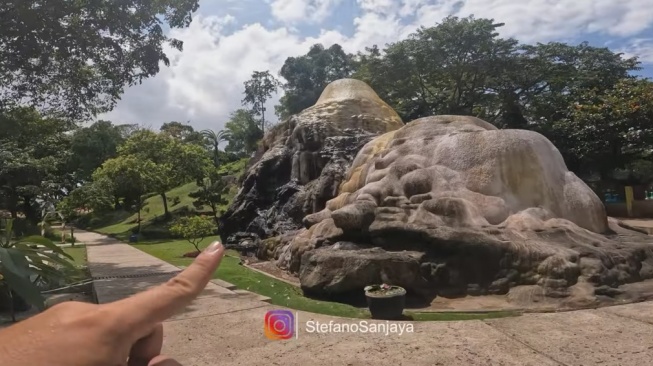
[120, 223]
[153, 208]
[78, 253]
[281, 293]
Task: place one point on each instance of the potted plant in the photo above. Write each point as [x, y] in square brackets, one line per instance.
[385, 301]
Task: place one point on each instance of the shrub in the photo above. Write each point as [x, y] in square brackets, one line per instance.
[194, 229]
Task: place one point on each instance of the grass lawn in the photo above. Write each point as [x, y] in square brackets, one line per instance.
[120, 223]
[279, 292]
[78, 253]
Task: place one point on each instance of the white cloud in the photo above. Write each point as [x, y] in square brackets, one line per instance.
[205, 82]
[309, 11]
[640, 47]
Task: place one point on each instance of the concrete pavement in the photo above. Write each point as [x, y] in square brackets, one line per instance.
[224, 327]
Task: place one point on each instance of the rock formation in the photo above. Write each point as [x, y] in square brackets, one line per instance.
[452, 206]
[303, 160]
[443, 206]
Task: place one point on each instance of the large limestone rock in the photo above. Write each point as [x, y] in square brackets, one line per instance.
[303, 160]
[450, 206]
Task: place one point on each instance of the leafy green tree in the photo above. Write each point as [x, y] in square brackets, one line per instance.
[34, 157]
[212, 193]
[306, 76]
[91, 146]
[131, 177]
[182, 132]
[76, 57]
[455, 67]
[176, 162]
[610, 131]
[258, 90]
[243, 133]
[214, 139]
[193, 228]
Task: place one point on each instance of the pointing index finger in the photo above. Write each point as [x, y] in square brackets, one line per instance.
[162, 302]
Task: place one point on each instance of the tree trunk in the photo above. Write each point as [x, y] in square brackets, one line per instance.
[139, 218]
[165, 205]
[214, 210]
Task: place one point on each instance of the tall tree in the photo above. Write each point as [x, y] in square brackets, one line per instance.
[76, 57]
[177, 130]
[91, 146]
[175, 161]
[454, 67]
[214, 139]
[306, 76]
[34, 156]
[610, 132]
[130, 177]
[258, 90]
[243, 133]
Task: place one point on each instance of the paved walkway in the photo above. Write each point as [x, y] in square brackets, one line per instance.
[225, 327]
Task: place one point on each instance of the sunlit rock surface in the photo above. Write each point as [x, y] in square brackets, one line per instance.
[303, 160]
[452, 206]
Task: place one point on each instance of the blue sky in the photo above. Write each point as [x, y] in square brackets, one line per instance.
[229, 39]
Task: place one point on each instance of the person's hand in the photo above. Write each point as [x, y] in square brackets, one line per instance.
[125, 332]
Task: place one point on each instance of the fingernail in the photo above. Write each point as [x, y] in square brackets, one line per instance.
[215, 247]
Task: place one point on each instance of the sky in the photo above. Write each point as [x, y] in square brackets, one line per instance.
[229, 39]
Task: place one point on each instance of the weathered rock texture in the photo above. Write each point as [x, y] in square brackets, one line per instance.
[303, 160]
[451, 206]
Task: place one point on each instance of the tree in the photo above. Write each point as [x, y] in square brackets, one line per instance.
[182, 132]
[194, 229]
[212, 192]
[257, 91]
[610, 131]
[34, 157]
[306, 76]
[214, 138]
[76, 57]
[454, 67]
[91, 146]
[243, 133]
[131, 177]
[176, 162]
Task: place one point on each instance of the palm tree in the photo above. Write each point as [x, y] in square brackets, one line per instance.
[214, 139]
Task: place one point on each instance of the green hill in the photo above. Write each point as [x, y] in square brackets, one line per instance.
[120, 223]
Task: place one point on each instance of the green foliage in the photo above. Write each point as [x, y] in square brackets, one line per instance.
[194, 229]
[26, 261]
[258, 90]
[182, 132]
[306, 76]
[91, 146]
[213, 140]
[243, 133]
[173, 161]
[76, 57]
[611, 131]
[212, 193]
[34, 156]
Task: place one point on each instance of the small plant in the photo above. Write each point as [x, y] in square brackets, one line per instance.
[384, 290]
[28, 261]
[193, 228]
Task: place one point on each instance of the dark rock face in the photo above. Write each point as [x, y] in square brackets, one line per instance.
[245, 243]
[303, 161]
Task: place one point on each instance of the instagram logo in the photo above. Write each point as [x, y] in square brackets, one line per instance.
[279, 324]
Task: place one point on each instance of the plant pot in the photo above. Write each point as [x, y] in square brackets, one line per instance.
[387, 307]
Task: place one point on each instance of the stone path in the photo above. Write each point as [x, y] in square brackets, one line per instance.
[225, 327]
